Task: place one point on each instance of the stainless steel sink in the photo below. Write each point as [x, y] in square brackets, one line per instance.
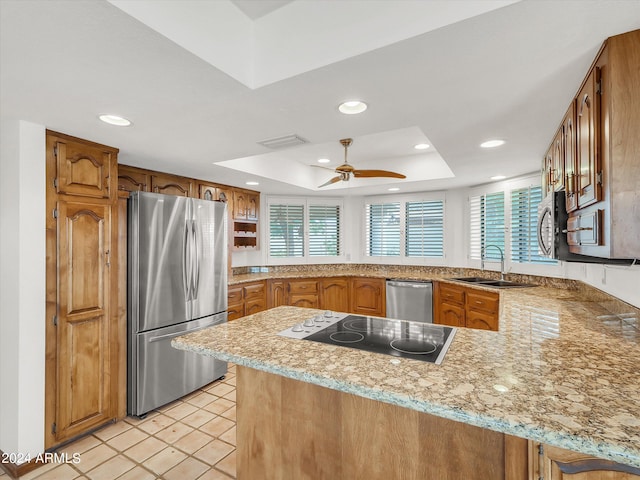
[474, 279]
[488, 282]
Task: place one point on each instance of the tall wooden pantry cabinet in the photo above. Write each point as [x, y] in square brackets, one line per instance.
[83, 344]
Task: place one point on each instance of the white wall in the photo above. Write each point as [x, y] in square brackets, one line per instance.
[22, 287]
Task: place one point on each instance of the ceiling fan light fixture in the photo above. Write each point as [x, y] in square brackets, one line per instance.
[421, 146]
[352, 107]
[492, 143]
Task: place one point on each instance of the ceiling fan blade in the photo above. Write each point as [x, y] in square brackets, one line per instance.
[377, 173]
[325, 168]
[333, 180]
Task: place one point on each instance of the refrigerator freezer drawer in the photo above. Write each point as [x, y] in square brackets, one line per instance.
[159, 373]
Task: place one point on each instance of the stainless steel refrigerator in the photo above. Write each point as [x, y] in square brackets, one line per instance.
[177, 283]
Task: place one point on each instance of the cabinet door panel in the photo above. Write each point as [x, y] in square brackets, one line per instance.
[83, 321]
[254, 306]
[133, 180]
[334, 294]
[570, 167]
[560, 464]
[304, 300]
[277, 294]
[171, 185]
[82, 169]
[368, 296]
[481, 320]
[453, 315]
[588, 141]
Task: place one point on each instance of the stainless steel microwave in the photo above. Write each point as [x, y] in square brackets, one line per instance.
[552, 231]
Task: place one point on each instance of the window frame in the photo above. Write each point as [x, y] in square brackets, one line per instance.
[306, 202]
[403, 259]
[544, 269]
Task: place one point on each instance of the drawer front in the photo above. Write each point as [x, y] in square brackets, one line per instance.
[254, 292]
[451, 294]
[234, 295]
[485, 302]
[307, 286]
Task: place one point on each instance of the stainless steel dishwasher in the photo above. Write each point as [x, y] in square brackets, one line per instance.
[410, 300]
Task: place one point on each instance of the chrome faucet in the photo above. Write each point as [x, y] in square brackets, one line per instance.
[483, 251]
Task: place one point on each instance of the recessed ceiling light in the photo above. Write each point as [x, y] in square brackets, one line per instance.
[352, 107]
[250, 182]
[498, 177]
[323, 160]
[421, 146]
[115, 120]
[492, 143]
[393, 189]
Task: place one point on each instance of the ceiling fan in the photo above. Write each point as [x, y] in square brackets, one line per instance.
[345, 170]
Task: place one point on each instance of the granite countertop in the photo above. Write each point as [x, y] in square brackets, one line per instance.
[562, 370]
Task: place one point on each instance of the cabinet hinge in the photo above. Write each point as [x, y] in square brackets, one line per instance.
[599, 87]
[599, 177]
[54, 428]
[55, 213]
[55, 152]
[55, 320]
[55, 183]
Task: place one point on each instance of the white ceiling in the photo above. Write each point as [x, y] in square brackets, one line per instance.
[204, 81]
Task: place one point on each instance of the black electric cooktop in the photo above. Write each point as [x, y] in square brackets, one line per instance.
[399, 338]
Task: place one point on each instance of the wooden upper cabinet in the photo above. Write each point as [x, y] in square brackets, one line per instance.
[246, 205]
[83, 168]
[207, 191]
[368, 296]
[589, 188]
[171, 185]
[131, 179]
[557, 162]
[570, 166]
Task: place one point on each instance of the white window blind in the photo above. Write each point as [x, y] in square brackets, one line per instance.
[324, 230]
[424, 229]
[286, 230]
[383, 229]
[524, 220]
[486, 225]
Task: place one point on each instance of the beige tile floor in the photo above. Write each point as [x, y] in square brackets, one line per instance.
[192, 438]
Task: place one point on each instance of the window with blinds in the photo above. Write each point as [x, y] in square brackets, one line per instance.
[424, 229]
[324, 230]
[486, 225]
[524, 221]
[383, 229]
[286, 230]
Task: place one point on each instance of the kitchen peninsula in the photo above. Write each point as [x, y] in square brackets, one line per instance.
[562, 370]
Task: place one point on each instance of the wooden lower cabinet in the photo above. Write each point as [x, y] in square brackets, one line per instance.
[334, 294]
[363, 296]
[368, 296]
[246, 299]
[553, 463]
[461, 306]
[303, 293]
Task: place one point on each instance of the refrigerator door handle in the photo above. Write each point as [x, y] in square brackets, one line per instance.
[196, 262]
[182, 332]
[186, 262]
